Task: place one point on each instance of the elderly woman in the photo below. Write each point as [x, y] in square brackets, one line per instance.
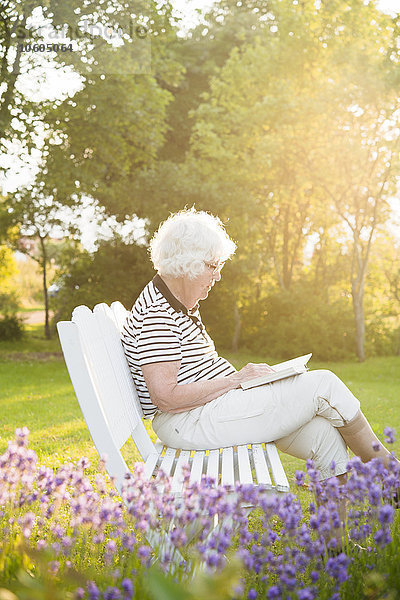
[194, 395]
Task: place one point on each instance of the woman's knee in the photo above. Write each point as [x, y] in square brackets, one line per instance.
[319, 441]
[329, 449]
[327, 375]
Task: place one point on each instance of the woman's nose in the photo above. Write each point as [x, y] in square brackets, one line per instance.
[217, 276]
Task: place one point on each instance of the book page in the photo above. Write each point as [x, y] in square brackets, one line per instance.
[289, 368]
[293, 362]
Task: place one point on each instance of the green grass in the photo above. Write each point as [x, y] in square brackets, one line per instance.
[33, 341]
[36, 391]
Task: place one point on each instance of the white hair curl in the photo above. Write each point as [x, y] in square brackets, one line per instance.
[188, 239]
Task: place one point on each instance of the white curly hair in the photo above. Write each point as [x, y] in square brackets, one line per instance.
[188, 239]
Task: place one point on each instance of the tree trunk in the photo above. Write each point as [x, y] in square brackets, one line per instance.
[236, 331]
[285, 248]
[358, 309]
[47, 332]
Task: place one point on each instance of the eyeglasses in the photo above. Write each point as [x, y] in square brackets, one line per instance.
[214, 268]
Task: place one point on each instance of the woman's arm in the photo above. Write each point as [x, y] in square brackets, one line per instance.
[168, 396]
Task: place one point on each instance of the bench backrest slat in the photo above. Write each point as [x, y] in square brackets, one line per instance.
[107, 384]
[110, 327]
[111, 334]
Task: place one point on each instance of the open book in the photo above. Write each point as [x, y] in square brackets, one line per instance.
[281, 371]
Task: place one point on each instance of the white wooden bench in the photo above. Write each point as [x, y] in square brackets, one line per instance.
[107, 396]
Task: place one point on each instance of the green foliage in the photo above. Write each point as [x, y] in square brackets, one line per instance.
[100, 140]
[219, 586]
[11, 328]
[9, 303]
[292, 323]
[115, 271]
[296, 151]
[383, 336]
[9, 298]
[7, 265]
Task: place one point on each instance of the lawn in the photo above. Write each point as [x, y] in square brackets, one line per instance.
[36, 391]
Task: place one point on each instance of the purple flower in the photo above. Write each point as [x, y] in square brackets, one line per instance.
[21, 436]
[178, 537]
[112, 593]
[93, 591]
[54, 566]
[213, 559]
[375, 494]
[111, 547]
[337, 567]
[238, 591]
[389, 434]
[144, 553]
[127, 587]
[386, 513]
[300, 477]
[383, 536]
[273, 592]
[252, 595]
[306, 594]
[79, 593]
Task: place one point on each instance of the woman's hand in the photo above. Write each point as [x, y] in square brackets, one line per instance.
[251, 371]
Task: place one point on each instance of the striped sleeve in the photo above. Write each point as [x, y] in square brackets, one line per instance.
[158, 340]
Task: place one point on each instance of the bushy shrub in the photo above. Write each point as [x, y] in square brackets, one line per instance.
[11, 328]
[115, 271]
[294, 322]
[382, 336]
[9, 303]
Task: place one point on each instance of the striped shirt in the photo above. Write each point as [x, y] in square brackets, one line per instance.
[160, 328]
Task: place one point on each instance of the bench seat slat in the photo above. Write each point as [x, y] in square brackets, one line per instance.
[167, 461]
[213, 465]
[197, 466]
[177, 480]
[150, 464]
[227, 470]
[278, 473]
[261, 467]
[245, 476]
[159, 446]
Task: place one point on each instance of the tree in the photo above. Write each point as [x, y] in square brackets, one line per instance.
[226, 25]
[116, 270]
[99, 141]
[359, 157]
[320, 140]
[86, 23]
[27, 221]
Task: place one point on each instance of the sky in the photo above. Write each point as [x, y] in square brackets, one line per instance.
[55, 83]
[188, 7]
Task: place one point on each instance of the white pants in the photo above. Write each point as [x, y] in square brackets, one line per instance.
[299, 413]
